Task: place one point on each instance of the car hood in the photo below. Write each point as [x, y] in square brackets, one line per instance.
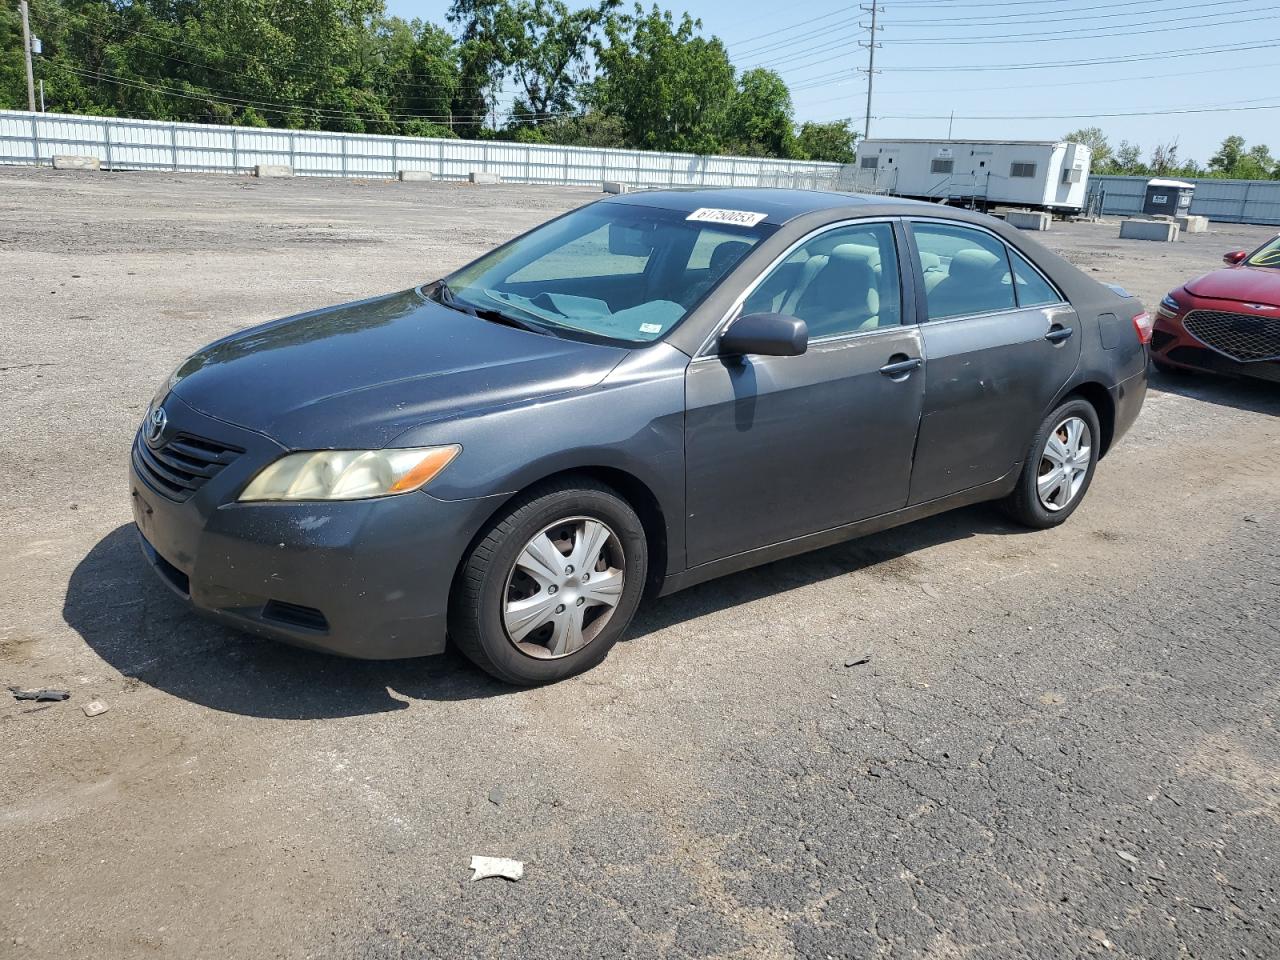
[358, 375]
[1249, 284]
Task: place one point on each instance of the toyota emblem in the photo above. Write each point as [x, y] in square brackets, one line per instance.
[156, 424]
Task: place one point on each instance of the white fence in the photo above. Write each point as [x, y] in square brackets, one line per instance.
[1227, 201]
[124, 144]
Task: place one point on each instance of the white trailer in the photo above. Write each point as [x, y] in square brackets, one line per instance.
[1038, 174]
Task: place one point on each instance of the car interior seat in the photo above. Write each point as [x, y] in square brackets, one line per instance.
[842, 297]
[974, 280]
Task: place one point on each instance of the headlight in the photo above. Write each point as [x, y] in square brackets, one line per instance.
[349, 474]
[1170, 307]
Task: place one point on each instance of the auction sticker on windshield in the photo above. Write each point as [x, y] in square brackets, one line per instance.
[738, 218]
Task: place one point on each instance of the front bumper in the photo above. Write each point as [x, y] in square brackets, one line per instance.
[364, 578]
[1172, 345]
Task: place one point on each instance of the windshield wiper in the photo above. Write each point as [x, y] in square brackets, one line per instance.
[446, 296]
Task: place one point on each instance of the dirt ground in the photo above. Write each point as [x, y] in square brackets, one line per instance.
[1063, 744]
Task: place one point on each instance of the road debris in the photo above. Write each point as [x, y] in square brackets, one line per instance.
[20, 694]
[95, 708]
[859, 660]
[1127, 857]
[486, 867]
[931, 590]
[496, 796]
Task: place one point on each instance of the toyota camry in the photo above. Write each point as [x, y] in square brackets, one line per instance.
[645, 393]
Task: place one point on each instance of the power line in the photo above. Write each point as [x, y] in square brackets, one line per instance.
[276, 107]
[1033, 17]
[1058, 86]
[1087, 33]
[1177, 53]
[1174, 111]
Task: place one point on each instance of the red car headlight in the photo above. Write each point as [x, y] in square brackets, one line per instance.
[1169, 307]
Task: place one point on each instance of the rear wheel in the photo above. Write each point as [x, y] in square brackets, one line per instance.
[553, 584]
[1058, 468]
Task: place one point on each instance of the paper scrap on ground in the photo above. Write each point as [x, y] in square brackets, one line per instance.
[485, 867]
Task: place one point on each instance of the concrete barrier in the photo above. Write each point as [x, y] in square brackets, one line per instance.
[68, 162]
[1164, 231]
[414, 176]
[1192, 224]
[478, 176]
[1029, 219]
[615, 186]
[273, 170]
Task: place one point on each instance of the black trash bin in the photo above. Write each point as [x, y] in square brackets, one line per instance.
[1168, 198]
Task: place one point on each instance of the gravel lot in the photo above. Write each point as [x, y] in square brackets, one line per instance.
[1063, 744]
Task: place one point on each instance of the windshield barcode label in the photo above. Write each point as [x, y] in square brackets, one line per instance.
[738, 218]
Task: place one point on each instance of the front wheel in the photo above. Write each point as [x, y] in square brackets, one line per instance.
[1058, 468]
[553, 584]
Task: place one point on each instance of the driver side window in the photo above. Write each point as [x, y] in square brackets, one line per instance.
[843, 281]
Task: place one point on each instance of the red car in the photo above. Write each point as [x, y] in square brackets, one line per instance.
[1227, 321]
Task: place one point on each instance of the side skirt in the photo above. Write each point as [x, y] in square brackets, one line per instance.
[849, 531]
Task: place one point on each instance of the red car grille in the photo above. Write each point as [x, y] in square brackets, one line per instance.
[1240, 336]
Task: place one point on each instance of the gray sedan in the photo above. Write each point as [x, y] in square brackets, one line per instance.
[645, 393]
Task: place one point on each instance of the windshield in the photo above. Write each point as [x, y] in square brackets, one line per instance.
[610, 271]
[1268, 255]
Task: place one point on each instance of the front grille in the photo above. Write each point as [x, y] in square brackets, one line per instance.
[182, 465]
[1240, 336]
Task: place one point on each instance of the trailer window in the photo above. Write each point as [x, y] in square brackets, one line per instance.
[942, 166]
[1024, 170]
[869, 163]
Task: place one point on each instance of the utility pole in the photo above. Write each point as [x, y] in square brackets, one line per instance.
[871, 58]
[26, 52]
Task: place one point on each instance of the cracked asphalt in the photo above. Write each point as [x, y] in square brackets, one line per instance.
[955, 739]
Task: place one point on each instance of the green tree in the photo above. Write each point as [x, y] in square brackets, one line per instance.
[760, 115]
[832, 141]
[670, 87]
[1096, 141]
[1127, 159]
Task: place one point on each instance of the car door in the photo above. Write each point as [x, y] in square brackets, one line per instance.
[1000, 342]
[779, 447]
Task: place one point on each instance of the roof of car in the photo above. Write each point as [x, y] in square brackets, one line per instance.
[778, 203]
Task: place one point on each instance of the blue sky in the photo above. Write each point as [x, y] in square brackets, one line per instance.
[814, 47]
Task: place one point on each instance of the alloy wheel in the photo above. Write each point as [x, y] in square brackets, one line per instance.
[1064, 464]
[563, 587]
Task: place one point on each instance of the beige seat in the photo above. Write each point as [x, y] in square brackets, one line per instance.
[841, 297]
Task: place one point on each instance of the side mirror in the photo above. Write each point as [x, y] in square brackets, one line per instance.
[766, 335]
[1235, 257]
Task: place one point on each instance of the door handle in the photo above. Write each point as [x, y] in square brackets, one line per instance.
[1059, 334]
[900, 368]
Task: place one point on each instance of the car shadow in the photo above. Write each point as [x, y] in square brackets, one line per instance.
[1243, 393]
[133, 622]
[887, 555]
[151, 637]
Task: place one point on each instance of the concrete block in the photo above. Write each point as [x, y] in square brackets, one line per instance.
[415, 176]
[1192, 224]
[615, 186]
[68, 162]
[1029, 219]
[273, 170]
[1163, 231]
[478, 176]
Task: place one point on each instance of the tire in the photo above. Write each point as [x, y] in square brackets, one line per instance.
[1025, 504]
[507, 618]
